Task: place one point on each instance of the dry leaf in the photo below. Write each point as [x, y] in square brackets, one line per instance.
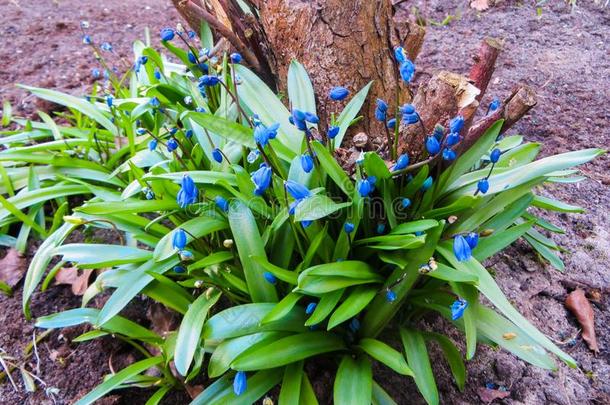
[71, 277]
[162, 319]
[489, 395]
[193, 390]
[580, 306]
[12, 267]
[479, 5]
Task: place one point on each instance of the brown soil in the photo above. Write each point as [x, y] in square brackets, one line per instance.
[563, 54]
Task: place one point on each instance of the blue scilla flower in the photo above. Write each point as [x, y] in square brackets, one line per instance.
[427, 183]
[185, 255]
[208, 80]
[452, 139]
[338, 93]
[472, 239]
[253, 156]
[191, 57]
[188, 192]
[109, 101]
[461, 248]
[173, 131]
[261, 179]
[167, 34]
[179, 269]
[494, 156]
[400, 54]
[311, 118]
[191, 34]
[172, 145]
[240, 383]
[310, 308]
[333, 131]
[188, 133]
[296, 190]
[217, 155]
[143, 60]
[380, 228]
[449, 154]
[306, 163]
[456, 124]
[407, 70]
[390, 296]
[269, 277]
[392, 123]
[381, 110]
[438, 132]
[348, 227]
[152, 144]
[200, 109]
[154, 102]
[221, 203]
[432, 145]
[366, 186]
[149, 194]
[401, 163]
[409, 115]
[157, 74]
[205, 69]
[106, 46]
[457, 308]
[483, 186]
[95, 73]
[179, 239]
[495, 104]
[87, 40]
[141, 131]
[263, 134]
[236, 57]
[306, 224]
[297, 118]
[405, 203]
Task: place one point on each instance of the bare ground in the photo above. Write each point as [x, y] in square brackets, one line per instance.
[563, 54]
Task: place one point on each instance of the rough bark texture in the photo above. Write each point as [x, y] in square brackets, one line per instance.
[340, 43]
[484, 66]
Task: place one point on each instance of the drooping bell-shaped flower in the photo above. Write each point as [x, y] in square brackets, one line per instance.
[208, 80]
[409, 115]
[179, 239]
[172, 145]
[495, 104]
[472, 239]
[261, 179]
[457, 308]
[348, 227]
[494, 156]
[407, 70]
[381, 110]
[456, 124]
[240, 383]
[333, 131]
[217, 155]
[483, 186]
[432, 145]
[452, 139]
[167, 34]
[306, 163]
[449, 154]
[427, 183]
[338, 93]
[366, 186]
[188, 192]
[405, 203]
[221, 203]
[390, 296]
[392, 123]
[269, 277]
[236, 57]
[152, 144]
[401, 163]
[461, 248]
[310, 308]
[311, 118]
[296, 190]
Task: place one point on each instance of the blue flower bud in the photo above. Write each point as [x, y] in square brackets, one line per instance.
[472, 239]
[311, 118]
[221, 203]
[236, 57]
[400, 54]
[240, 383]
[296, 190]
[208, 80]
[152, 144]
[390, 296]
[438, 132]
[407, 109]
[365, 187]
[457, 308]
[191, 34]
[95, 72]
[192, 58]
[461, 248]
[305, 224]
[401, 163]
[306, 163]
[298, 115]
[186, 255]
[449, 155]
[495, 155]
[87, 40]
[200, 109]
[106, 47]
[380, 228]
[354, 325]
[427, 183]
[143, 60]
[348, 227]
[392, 123]
[261, 179]
[253, 156]
[141, 131]
[157, 74]
[406, 203]
[495, 104]
[204, 68]
[432, 145]
[338, 93]
[407, 70]
[167, 34]
[179, 269]
[154, 102]
[179, 239]
[310, 308]
[483, 186]
[149, 195]
[188, 192]
[189, 133]
[456, 124]
[217, 155]
[333, 132]
[172, 145]
[109, 101]
[269, 277]
[453, 138]
[381, 110]
[173, 131]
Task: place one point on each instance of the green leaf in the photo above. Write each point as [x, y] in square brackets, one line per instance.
[221, 391]
[374, 165]
[353, 382]
[119, 378]
[6, 113]
[491, 245]
[350, 112]
[447, 273]
[308, 396]
[196, 227]
[155, 399]
[317, 206]
[453, 356]
[127, 206]
[190, 331]
[291, 384]
[287, 276]
[332, 168]
[380, 397]
[414, 226]
[554, 205]
[300, 89]
[355, 302]
[462, 203]
[385, 354]
[316, 285]
[198, 176]
[246, 319]
[249, 243]
[223, 127]
[417, 357]
[325, 306]
[282, 308]
[545, 252]
[212, 259]
[346, 268]
[288, 350]
[96, 256]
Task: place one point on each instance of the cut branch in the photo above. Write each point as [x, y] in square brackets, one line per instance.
[484, 66]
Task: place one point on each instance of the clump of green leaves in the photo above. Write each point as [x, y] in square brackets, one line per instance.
[309, 263]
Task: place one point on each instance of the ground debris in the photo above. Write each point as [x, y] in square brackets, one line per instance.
[580, 306]
[488, 395]
[12, 267]
[77, 280]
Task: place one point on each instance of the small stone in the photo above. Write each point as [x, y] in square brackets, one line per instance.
[360, 140]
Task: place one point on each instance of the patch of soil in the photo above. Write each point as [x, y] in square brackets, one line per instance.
[562, 53]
